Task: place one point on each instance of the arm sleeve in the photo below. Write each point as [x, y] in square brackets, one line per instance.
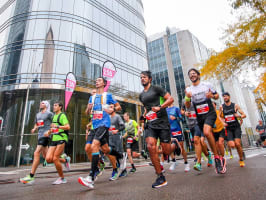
[160, 91]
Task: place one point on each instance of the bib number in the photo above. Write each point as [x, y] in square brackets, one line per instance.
[129, 140]
[230, 118]
[55, 130]
[98, 115]
[176, 133]
[192, 115]
[112, 128]
[151, 116]
[40, 123]
[202, 109]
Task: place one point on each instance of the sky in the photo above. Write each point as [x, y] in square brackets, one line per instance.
[206, 19]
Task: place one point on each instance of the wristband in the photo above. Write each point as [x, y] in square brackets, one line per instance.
[187, 99]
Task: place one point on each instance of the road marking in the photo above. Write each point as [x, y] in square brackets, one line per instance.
[252, 155]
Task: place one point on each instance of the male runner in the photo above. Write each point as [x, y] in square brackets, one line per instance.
[43, 121]
[115, 140]
[229, 114]
[261, 129]
[132, 136]
[200, 145]
[200, 94]
[101, 105]
[59, 130]
[174, 117]
[155, 101]
[219, 135]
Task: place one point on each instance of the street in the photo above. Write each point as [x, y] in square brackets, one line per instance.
[238, 183]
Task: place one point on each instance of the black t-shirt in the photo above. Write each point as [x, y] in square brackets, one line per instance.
[261, 130]
[151, 98]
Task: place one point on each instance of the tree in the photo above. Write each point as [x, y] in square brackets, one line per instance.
[245, 45]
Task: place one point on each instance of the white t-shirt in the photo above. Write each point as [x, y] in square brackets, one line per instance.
[199, 91]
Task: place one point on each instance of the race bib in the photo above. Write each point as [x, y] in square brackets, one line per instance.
[112, 128]
[40, 123]
[97, 114]
[55, 130]
[202, 109]
[261, 131]
[192, 115]
[151, 116]
[229, 118]
[176, 133]
[129, 140]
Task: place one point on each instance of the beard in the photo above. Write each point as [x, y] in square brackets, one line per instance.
[194, 81]
[145, 84]
[227, 101]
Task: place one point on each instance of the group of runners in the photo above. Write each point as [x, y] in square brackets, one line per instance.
[160, 123]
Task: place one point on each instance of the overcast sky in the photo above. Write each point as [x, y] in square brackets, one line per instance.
[206, 19]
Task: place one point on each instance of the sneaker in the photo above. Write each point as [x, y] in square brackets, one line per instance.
[173, 165]
[242, 163]
[144, 155]
[133, 170]
[160, 182]
[162, 169]
[102, 166]
[114, 176]
[84, 182]
[195, 159]
[226, 152]
[123, 173]
[209, 159]
[231, 157]
[223, 161]
[27, 180]
[197, 167]
[218, 166]
[150, 163]
[187, 167]
[67, 163]
[59, 181]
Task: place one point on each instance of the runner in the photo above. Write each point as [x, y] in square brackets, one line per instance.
[226, 146]
[132, 136]
[155, 101]
[199, 139]
[101, 107]
[219, 134]
[115, 141]
[229, 114]
[175, 117]
[261, 129]
[43, 121]
[59, 130]
[200, 94]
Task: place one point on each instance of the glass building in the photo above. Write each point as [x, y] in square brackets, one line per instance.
[41, 41]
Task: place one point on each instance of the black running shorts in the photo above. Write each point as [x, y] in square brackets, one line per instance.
[208, 119]
[44, 141]
[134, 146]
[234, 133]
[218, 135]
[102, 135]
[90, 137]
[59, 142]
[263, 138]
[195, 131]
[163, 134]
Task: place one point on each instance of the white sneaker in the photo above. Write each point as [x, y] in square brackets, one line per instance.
[60, 181]
[173, 165]
[187, 167]
[84, 182]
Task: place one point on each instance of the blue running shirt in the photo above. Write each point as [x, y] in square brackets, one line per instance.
[174, 124]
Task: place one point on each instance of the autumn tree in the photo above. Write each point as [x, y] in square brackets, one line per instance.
[245, 44]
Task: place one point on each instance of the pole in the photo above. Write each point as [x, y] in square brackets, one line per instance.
[23, 125]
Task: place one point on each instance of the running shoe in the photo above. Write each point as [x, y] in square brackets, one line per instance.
[144, 155]
[160, 182]
[242, 163]
[195, 159]
[67, 163]
[162, 169]
[27, 180]
[123, 173]
[187, 167]
[218, 166]
[197, 167]
[102, 166]
[150, 163]
[226, 152]
[231, 157]
[209, 159]
[133, 170]
[114, 176]
[223, 161]
[85, 182]
[173, 165]
[59, 181]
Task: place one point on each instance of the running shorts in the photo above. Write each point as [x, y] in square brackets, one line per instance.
[134, 145]
[163, 134]
[219, 134]
[233, 133]
[58, 142]
[209, 119]
[195, 131]
[90, 137]
[177, 135]
[102, 134]
[263, 138]
[44, 141]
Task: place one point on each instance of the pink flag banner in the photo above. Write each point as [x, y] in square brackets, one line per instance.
[69, 87]
[109, 72]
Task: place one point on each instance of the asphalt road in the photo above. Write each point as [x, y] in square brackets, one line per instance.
[238, 183]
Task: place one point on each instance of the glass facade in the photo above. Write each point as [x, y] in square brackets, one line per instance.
[41, 41]
[158, 66]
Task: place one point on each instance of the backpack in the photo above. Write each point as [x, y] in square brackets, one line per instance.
[58, 122]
